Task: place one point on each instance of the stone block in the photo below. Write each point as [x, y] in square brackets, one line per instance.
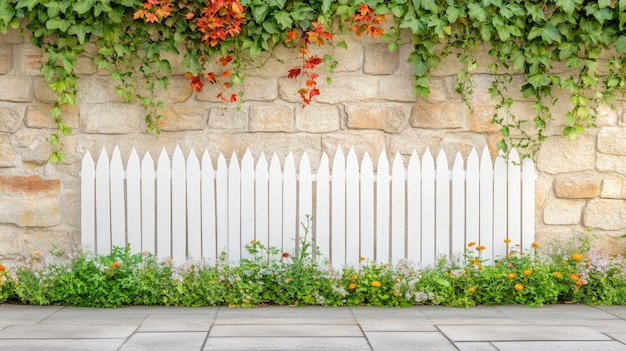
[33, 145]
[344, 87]
[11, 118]
[578, 186]
[38, 116]
[181, 118]
[6, 61]
[559, 155]
[271, 118]
[400, 89]
[44, 212]
[439, 116]
[42, 240]
[228, 118]
[614, 187]
[612, 140]
[606, 214]
[419, 141]
[29, 59]
[563, 212]
[111, 118]
[481, 119]
[385, 117]
[42, 91]
[611, 163]
[94, 90]
[179, 90]
[29, 186]
[16, 89]
[379, 60]
[318, 119]
[10, 244]
[259, 88]
[85, 66]
[8, 156]
[351, 59]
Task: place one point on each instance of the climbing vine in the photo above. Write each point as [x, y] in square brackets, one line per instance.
[218, 39]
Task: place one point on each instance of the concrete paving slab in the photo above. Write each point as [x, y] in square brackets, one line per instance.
[84, 315]
[67, 331]
[285, 315]
[287, 330]
[385, 324]
[560, 346]
[554, 312]
[61, 344]
[618, 311]
[288, 344]
[25, 314]
[208, 311]
[165, 341]
[176, 322]
[395, 341]
[441, 313]
[475, 346]
[473, 332]
[620, 336]
[365, 313]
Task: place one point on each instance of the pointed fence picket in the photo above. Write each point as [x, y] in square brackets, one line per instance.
[186, 208]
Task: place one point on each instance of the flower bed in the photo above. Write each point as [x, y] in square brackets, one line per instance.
[576, 274]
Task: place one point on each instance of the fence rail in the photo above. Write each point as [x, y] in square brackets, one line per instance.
[186, 207]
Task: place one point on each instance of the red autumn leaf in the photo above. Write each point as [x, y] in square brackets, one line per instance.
[190, 15]
[221, 97]
[189, 75]
[226, 74]
[294, 72]
[312, 76]
[233, 98]
[312, 62]
[291, 36]
[375, 31]
[196, 84]
[211, 77]
[138, 14]
[314, 92]
[310, 83]
[151, 18]
[224, 60]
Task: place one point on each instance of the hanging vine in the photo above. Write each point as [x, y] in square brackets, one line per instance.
[218, 38]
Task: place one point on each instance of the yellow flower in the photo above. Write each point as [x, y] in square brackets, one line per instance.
[557, 274]
[375, 283]
[512, 275]
[527, 272]
[471, 243]
[396, 293]
[253, 242]
[519, 287]
[472, 289]
[577, 257]
[507, 240]
[352, 286]
[354, 277]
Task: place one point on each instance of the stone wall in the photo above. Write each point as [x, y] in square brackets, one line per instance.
[369, 105]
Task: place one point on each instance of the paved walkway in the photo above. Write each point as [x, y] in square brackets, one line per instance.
[555, 327]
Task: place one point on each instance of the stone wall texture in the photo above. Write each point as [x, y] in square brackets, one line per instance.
[369, 106]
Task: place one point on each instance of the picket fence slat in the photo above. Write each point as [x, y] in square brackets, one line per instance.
[187, 208]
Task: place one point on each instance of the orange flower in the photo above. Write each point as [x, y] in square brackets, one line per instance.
[574, 277]
[507, 240]
[535, 245]
[36, 254]
[579, 282]
[352, 286]
[527, 272]
[472, 290]
[361, 258]
[471, 243]
[519, 287]
[2, 268]
[481, 248]
[354, 277]
[375, 283]
[512, 275]
[577, 257]
[557, 274]
[116, 264]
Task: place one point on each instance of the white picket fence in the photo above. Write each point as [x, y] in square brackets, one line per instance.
[187, 208]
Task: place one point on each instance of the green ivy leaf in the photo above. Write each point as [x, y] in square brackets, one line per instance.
[283, 19]
[58, 23]
[568, 6]
[620, 44]
[477, 12]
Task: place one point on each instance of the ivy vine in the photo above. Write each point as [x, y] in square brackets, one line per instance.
[218, 38]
